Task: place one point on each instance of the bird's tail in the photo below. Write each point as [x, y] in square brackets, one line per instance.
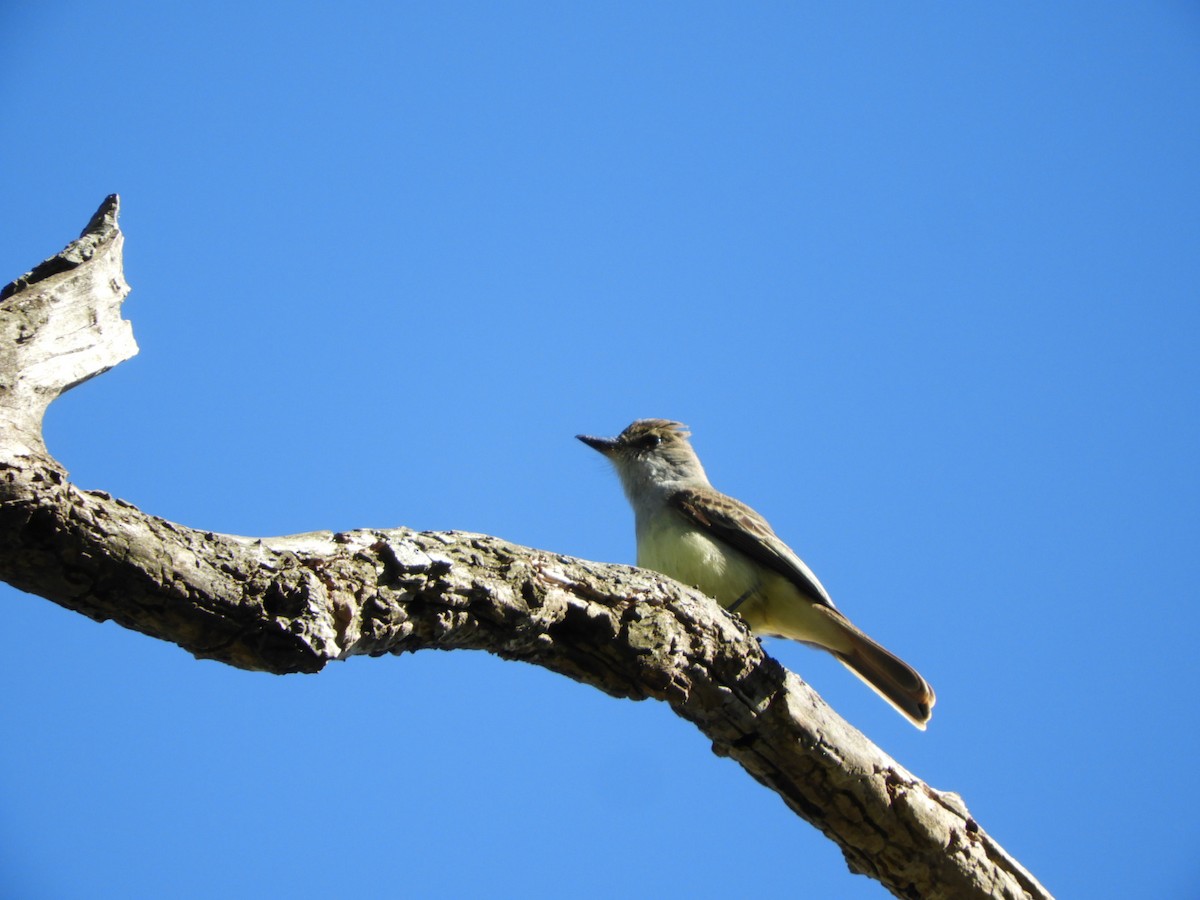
[822, 625]
[889, 676]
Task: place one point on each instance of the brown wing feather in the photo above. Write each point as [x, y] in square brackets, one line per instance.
[737, 525]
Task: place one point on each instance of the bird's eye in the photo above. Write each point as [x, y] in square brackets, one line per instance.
[649, 442]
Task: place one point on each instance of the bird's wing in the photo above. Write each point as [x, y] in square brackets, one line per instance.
[737, 525]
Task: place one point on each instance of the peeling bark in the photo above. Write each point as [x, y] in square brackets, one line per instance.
[292, 604]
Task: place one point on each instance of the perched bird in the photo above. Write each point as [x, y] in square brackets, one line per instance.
[689, 531]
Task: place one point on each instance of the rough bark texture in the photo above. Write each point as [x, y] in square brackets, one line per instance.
[292, 604]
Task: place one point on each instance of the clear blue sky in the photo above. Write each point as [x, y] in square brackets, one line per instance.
[922, 279]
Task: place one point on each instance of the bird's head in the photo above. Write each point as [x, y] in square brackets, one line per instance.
[650, 456]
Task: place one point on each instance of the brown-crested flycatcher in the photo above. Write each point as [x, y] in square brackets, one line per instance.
[689, 531]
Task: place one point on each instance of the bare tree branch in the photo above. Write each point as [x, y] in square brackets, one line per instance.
[292, 604]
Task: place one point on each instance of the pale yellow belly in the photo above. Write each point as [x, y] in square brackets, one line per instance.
[769, 602]
[691, 557]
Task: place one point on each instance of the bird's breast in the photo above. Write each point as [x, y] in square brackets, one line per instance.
[673, 546]
[769, 602]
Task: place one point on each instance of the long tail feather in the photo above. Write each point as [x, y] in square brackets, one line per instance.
[890, 677]
[822, 625]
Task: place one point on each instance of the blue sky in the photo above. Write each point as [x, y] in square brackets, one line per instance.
[922, 280]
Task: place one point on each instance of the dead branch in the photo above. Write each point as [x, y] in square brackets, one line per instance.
[293, 604]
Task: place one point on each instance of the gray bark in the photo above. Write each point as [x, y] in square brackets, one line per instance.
[293, 604]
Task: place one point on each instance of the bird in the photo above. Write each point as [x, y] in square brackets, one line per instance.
[691, 532]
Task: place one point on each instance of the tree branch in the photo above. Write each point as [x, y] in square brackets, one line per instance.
[292, 604]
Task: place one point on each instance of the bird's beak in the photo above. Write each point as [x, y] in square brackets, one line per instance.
[607, 446]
